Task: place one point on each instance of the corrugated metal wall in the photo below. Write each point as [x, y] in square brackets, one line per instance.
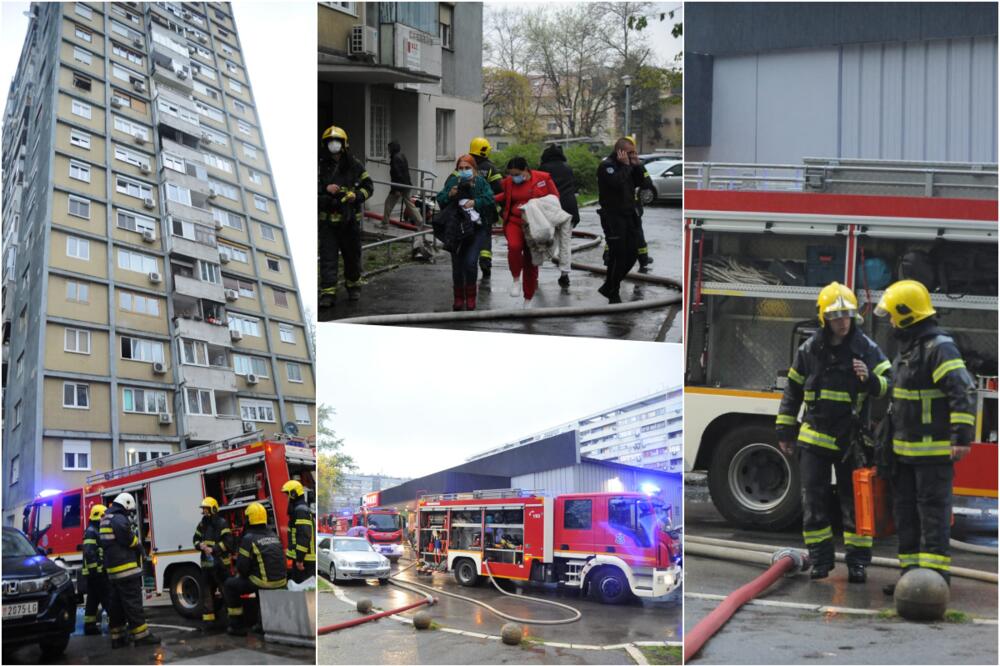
[927, 100]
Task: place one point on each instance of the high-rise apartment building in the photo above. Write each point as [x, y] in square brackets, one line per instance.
[149, 298]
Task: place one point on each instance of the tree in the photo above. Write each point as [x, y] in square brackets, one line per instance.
[331, 461]
[509, 105]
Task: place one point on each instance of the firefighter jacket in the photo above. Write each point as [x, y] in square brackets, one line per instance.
[492, 176]
[122, 550]
[616, 187]
[214, 531]
[301, 532]
[260, 558]
[822, 376]
[351, 176]
[934, 399]
[93, 554]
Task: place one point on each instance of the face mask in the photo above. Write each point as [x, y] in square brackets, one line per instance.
[465, 174]
[334, 146]
[519, 179]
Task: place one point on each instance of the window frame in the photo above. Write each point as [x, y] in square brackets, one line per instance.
[76, 395]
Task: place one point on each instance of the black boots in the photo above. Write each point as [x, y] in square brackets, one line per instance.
[856, 573]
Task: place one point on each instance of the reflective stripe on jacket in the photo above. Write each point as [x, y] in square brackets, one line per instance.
[122, 550]
[260, 558]
[93, 554]
[301, 533]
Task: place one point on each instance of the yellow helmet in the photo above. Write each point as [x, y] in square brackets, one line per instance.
[256, 514]
[210, 503]
[334, 132]
[480, 146]
[835, 301]
[906, 302]
[293, 488]
[97, 511]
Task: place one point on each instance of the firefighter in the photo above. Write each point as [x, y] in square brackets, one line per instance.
[834, 372]
[301, 533]
[123, 555]
[260, 565]
[933, 416]
[214, 539]
[646, 183]
[480, 150]
[344, 185]
[618, 176]
[93, 570]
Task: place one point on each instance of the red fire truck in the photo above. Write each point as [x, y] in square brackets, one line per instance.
[761, 241]
[611, 545]
[168, 491]
[384, 526]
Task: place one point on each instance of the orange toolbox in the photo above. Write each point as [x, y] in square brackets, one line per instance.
[872, 504]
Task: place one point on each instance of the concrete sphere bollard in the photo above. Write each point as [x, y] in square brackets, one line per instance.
[364, 606]
[511, 633]
[922, 595]
[422, 620]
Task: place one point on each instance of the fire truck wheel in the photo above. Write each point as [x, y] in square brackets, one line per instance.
[185, 591]
[752, 483]
[465, 573]
[609, 585]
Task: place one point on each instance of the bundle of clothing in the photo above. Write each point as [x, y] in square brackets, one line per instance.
[548, 231]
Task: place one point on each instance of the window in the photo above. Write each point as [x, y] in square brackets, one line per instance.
[379, 116]
[210, 272]
[71, 510]
[17, 414]
[256, 410]
[203, 89]
[626, 515]
[82, 109]
[77, 292]
[144, 401]
[173, 162]
[224, 189]
[130, 128]
[76, 454]
[245, 325]
[216, 162]
[19, 365]
[194, 352]
[227, 219]
[137, 223]
[140, 453]
[267, 232]
[239, 106]
[244, 365]
[133, 188]
[79, 207]
[87, 13]
[82, 55]
[246, 289]
[249, 151]
[294, 371]
[444, 133]
[76, 341]
[273, 264]
[146, 351]
[242, 127]
[85, 35]
[79, 171]
[196, 232]
[127, 75]
[577, 515]
[136, 261]
[302, 414]
[171, 108]
[131, 157]
[138, 303]
[82, 82]
[128, 101]
[280, 297]
[15, 465]
[128, 54]
[199, 402]
[76, 396]
[234, 253]
[260, 203]
[78, 248]
[286, 333]
[256, 177]
[444, 25]
[209, 111]
[79, 139]
[181, 195]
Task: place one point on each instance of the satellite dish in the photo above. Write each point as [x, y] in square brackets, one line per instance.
[290, 428]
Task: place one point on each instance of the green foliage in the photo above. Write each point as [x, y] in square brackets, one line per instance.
[529, 151]
[331, 461]
[581, 159]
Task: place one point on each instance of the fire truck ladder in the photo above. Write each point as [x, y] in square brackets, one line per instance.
[496, 493]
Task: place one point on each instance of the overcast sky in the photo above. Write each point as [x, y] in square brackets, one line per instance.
[412, 401]
[285, 93]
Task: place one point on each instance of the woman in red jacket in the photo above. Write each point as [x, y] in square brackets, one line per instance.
[519, 186]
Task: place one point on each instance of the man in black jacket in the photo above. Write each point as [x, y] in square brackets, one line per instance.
[554, 163]
[301, 533]
[214, 538]
[123, 555]
[399, 172]
[260, 565]
[93, 573]
[618, 175]
[480, 150]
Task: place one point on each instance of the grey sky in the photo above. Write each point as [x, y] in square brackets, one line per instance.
[414, 401]
[285, 92]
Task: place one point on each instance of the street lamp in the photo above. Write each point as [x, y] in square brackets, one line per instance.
[627, 80]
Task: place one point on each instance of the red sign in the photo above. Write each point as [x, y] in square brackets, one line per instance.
[371, 499]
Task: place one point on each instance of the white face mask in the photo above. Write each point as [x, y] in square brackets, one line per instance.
[334, 146]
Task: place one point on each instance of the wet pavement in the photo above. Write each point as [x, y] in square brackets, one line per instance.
[183, 642]
[427, 288]
[467, 633]
[793, 632]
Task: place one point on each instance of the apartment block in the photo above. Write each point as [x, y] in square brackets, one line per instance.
[150, 302]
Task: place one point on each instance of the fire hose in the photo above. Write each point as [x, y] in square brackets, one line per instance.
[781, 563]
[428, 600]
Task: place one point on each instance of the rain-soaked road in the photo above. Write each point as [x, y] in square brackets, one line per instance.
[792, 632]
[389, 641]
[183, 642]
[427, 288]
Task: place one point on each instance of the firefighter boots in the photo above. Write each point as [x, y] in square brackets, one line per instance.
[354, 293]
[819, 572]
[856, 573]
[148, 639]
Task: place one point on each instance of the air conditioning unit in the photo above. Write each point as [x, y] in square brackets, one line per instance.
[139, 86]
[166, 418]
[181, 73]
[159, 368]
[203, 39]
[252, 378]
[212, 194]
[148, 237]
[139, 139]
[148, 204]
[115, 102]
[155, 278]
[235, 336]
[137, 42]
[186, 15]
[145, 169]
[191, 49]
[218, 225]
[363, 40]
[232, 294]
[224, 259]
[248, 426]
[205, 140]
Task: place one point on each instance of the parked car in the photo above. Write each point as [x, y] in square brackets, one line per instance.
[351, 558]
[660, 156]
[668, 181]
[39, 600]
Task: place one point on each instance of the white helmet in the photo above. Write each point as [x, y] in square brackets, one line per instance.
[126, 501]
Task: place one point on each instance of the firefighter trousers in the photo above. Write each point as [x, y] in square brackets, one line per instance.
[818, 506]
[622, 235]
[125, 608]
[212, 579]
[300, 576]
[336, 239]
[232, 590]
[922, 510]
[642, 249]
[97, 600]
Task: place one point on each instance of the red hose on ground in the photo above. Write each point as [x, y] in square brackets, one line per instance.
[368, 618]
[695, 639]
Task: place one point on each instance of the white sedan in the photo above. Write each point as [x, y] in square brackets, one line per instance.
[668, 181]
[350, 558]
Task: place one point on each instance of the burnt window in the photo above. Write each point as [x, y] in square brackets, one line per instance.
[81, 82]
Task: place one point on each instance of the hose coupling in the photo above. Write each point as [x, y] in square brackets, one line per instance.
[800, 558]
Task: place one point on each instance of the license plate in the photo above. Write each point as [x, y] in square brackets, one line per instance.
[385, 549]
[20, 610]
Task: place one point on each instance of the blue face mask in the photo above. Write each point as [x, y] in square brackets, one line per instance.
[519, 179]
[465, 174]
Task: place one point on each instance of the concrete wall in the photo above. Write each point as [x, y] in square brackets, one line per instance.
[462, 68]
